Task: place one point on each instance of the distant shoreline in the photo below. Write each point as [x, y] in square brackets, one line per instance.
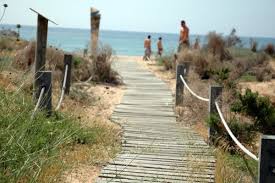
[122, 42]
[132, 31]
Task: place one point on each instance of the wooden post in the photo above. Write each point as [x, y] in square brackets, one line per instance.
[267, 160]
[95, 23]
[182, 69]
[67, 61]
[41, 47]
[40, 52]
[214, 93]
[45, 81]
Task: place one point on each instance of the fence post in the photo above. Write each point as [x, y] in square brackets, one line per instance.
[214, 93]
[95, 23]
[41, 46]
[267, 159]
[45, 81]
[182, 69]
[67, 61]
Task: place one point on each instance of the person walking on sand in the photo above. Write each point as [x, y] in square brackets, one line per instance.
[160, 46]
[147, 46]
[184, 37]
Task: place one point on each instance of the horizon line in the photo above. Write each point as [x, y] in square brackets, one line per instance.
[195, 34]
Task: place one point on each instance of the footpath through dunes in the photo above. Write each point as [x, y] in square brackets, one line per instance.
[155, 148]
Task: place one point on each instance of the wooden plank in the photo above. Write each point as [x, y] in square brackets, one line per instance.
[155, 148]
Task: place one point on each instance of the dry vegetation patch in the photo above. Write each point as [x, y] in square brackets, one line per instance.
[87, 109]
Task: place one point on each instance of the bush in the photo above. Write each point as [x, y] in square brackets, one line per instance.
[201, 66]
[6, 43]
[270, 50]
[221, 75]
[24, 58]
[259, 108]
[217, 46]
[102, 67]
[264, 74]
[233, 39]
[243, 132]
[253, 45]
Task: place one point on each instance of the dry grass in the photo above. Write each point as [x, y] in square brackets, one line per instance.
[102, 67]
[270, 50]
[217, 46]
[80, 161]
[230, 169]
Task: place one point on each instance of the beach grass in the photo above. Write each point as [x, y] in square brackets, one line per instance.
[42, 149]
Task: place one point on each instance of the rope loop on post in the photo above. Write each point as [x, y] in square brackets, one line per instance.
[63, 89]
[193, 93]
[38, 102]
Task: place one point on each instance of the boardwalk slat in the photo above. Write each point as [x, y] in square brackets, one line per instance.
[155, 148]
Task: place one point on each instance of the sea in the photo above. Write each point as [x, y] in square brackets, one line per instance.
[122, 42]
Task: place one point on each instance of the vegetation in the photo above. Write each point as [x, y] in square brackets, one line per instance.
[223, 61]
[43, 149]
[18, 26]
[259, 108]
[270, 50]
[102, 67]
[233, 168]
[28, 146]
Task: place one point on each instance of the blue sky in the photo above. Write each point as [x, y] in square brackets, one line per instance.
[249, 17]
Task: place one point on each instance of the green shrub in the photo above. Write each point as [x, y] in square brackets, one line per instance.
[244, 133]
[221, 75]
[77, 61]
[259, 108]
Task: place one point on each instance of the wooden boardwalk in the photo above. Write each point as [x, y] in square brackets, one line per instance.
[155, 148]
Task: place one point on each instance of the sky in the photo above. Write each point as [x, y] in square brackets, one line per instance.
[249, 17]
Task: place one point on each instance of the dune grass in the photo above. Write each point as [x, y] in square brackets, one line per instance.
[31, 148]
[235, 168]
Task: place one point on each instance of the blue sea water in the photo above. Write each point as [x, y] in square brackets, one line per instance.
[124, 43]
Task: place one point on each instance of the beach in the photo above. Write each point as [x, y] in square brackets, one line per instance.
[122, 42]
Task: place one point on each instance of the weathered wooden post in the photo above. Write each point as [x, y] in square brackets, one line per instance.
[182, 70]
[215, 93]
[41, 48]
[267, 160]
[95, 23]
[67, 61]
[45, 81]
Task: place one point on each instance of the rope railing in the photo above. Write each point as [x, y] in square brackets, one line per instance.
[63, 88]
[38, 102]
[193, 93]
[244, 149]
[237, 142]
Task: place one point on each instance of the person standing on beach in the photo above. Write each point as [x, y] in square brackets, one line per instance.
[147, 46]
[160, 46]
[184, 37]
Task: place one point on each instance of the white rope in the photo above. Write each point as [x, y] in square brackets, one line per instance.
[246, 151]
[63, 89]
[194, 94]
[38, 102]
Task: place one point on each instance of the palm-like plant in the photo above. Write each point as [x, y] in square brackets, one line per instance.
[18, 26]
[5, 6]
